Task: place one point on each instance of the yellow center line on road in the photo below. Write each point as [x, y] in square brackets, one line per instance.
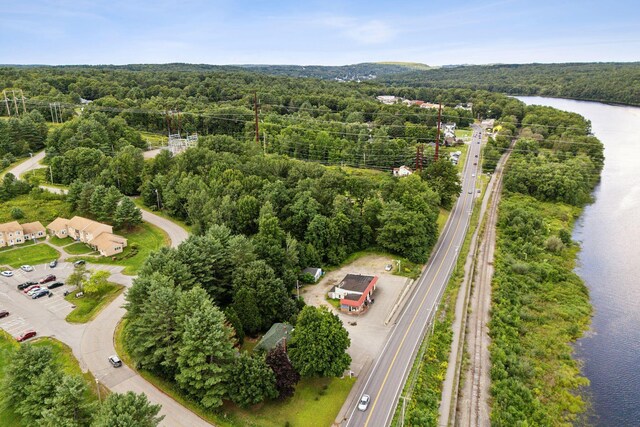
[424, 298]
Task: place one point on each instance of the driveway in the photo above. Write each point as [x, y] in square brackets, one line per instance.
[367, 331]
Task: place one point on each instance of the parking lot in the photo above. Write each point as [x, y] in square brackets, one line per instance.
[367, 331]
[45, 315]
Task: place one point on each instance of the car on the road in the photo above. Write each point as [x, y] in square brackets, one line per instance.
[3, 313]
[7, 273]
[26, 335]
[25, 285]
[40, 293]
[473, 175]
[476, 155]
[26, 268]
[470, 191]
[79, 262]
[47, 279]
[35, 290]
[364, 402]
[388, 267]
[55, 285]
[475, 163]
[53, 263]
[115, 361]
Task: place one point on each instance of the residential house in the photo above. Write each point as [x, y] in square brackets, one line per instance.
[402, 171]
[354, 292]
[388, 99]
[278, 334]
[33, 230]
[95, 234]
[488, 124]
[85, 230]
[429, 105]
[11, 234]
[449, 130]
[108, 244]
[58, 227]
[315, 272]
[468, 106]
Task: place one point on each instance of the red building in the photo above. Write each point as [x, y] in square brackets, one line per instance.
[354, 292]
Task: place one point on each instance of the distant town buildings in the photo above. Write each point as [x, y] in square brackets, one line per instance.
[402, 171]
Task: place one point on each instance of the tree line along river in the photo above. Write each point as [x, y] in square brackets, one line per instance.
[609, 263]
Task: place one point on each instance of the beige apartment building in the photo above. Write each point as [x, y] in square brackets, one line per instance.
[95, 234]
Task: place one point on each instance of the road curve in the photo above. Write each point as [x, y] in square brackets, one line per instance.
[390, 370]
[96, 343]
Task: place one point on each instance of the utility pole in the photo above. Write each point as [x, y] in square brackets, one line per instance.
[15, 102]
[419, 157]
[255, 109]
[264, 143]
[438, 133]
[24, 108]
[51, 172]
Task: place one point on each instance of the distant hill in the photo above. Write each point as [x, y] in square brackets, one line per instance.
[596, 81]
[355, 72]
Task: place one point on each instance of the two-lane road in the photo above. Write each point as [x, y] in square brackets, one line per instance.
[388, 375]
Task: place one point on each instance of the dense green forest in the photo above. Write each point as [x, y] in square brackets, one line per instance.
[261, 212]
[539, 304]
[605, 82]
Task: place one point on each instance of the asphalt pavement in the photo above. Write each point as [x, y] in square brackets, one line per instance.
[386, 379]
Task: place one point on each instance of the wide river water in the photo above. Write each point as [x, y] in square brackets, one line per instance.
[609, 263]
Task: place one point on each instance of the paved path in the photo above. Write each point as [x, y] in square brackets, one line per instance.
[27, 165]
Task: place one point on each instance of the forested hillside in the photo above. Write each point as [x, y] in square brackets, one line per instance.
[606, 82]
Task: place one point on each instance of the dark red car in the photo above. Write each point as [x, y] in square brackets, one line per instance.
[26, 335]
[3, 313]
[26, 290]
[47, 279]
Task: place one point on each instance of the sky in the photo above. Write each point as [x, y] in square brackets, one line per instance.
[310, 32]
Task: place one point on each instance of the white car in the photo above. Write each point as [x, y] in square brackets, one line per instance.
[7, 273]
[26, 268]
[364, 402]
[388, 267]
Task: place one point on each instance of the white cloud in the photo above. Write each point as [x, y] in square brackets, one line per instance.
[371, 31]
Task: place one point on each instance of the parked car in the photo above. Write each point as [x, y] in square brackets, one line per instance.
[25, 285]
[55, 285]
[388, 267]
[53, 263]
[35, 290]
[30, 288]
[26, 268]
[79, 262]
[7, 273]
[26, 335]
[115, 361]
[364, 402]
[40, 293]
[3, 313]
[47, 279]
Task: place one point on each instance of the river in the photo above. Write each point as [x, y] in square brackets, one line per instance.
[609, 263]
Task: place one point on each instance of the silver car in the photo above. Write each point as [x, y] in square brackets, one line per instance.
[364, 402]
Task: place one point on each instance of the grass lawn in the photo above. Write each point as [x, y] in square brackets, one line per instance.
[41, 176]
[155, 140]
[64, 356]
[443, 215]
[78, 248]
[316, 401]
[21, 245]
[60, 242]
[141, 242]
[90, 305]
[462, 133]
[162, 214]
[334, 302]
[44, 208]
[33, 254]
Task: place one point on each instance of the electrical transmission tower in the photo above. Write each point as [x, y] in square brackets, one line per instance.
[419, 157]
[14, 99]
[56, 112]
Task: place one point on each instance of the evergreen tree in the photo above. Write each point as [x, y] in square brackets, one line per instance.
[68, 406]
[97, 203]
[204, 354]
[127, 410]
[38, 392]
[127, 214]
[246, 307]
